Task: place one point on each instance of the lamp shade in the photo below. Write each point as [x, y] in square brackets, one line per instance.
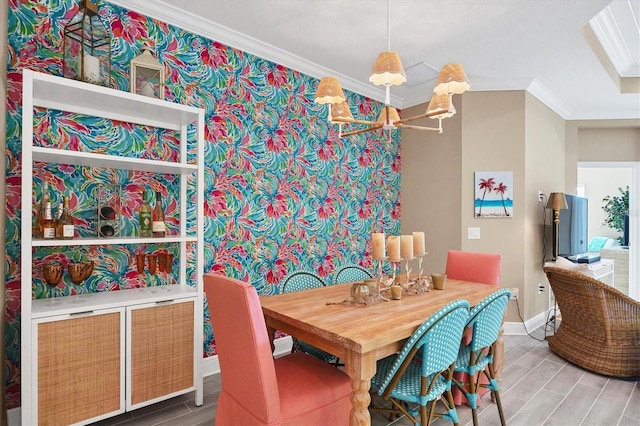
[443, 104]
[329, 91]
[388, 70]
[451, 80]
[557, 201]
[393, 115]
[341, 111]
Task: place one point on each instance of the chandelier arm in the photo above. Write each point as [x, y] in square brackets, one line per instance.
[432, 129]
[368, 129]
[355, 121]
[417, 117]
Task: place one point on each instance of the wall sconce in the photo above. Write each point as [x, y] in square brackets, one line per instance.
[147, 75]
[556, 202]
[87, 47]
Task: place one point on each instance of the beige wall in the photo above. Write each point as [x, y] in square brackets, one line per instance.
[430, 187]
[545, 161]
[500, 131]
[609, 144]
[599, 140]
[494, 139]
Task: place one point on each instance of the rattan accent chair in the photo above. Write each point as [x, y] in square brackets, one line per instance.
[305, 280]
[476, 358]
[600, 326]
[421, 373]
[350, 273]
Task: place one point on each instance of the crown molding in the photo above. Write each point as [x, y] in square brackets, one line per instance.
[229, 37]
[607, 31]
[540, 92]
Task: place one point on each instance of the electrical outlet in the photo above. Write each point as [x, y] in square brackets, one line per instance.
[541, 288]
[539, 196]
[514, 292]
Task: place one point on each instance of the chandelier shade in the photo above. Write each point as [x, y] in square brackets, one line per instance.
[440, 106]
[388, 70]
[388, 116]
[341, 112]
[451, 80]
[329, 92]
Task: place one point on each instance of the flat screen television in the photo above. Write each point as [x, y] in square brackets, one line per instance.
[573, 229]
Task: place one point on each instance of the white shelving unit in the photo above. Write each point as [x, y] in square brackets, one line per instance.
[51, 92]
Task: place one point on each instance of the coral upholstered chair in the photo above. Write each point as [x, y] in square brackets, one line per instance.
[295, 389]
[476, 267]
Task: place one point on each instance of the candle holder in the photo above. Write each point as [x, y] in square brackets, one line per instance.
[378, 297]
[422, 284]
[408, 273]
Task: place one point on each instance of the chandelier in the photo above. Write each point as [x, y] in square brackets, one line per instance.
[388, 71]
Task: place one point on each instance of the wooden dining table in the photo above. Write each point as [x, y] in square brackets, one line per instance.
[360, 334]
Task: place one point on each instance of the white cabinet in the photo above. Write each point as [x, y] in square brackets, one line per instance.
[142, 307]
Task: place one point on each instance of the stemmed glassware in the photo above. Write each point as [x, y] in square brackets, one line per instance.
[52, 272]
[160, 262]
[168, 266]
[153, 263]
[140, 266]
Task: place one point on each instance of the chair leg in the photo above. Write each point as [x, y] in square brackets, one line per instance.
[495, 392]
[472, 396]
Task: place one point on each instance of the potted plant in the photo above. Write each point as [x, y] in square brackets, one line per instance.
[616, 207]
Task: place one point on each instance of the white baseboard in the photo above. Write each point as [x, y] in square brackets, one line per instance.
[518, 328]
[211, 365]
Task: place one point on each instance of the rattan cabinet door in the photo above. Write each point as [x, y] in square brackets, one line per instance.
[161, 351]
[80, 367]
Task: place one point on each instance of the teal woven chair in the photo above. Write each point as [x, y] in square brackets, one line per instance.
[422, 371]
[305, 280]
[476, 358]
[350, 273]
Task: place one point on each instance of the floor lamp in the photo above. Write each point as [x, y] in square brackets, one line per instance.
[556, 202]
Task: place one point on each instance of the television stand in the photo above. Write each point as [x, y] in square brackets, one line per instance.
[585, 258]
[602, 270]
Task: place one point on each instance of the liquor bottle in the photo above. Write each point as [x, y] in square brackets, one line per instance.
[157, 224]
[48, 225]
[37, 229]
[145, 216]
[57, 220]
[65, 227]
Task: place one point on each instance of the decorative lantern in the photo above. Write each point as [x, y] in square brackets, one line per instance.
[87, 46]
[147, 75]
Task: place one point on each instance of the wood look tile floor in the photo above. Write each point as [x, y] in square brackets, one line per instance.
[538, 388]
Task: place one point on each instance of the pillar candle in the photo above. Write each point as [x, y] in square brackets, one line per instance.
[393, 245]
[406, 247]
[91, 70]
[418, 244]
[377, 242]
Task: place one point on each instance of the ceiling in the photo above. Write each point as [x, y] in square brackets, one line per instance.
[576, 56]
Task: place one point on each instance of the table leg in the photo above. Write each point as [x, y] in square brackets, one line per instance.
[360, 368]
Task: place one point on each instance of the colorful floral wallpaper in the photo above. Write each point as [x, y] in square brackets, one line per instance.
[282, 191]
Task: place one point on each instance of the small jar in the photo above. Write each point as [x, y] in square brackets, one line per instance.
[359, 293]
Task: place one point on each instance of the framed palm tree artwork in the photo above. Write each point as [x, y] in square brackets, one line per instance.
[493, 194]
